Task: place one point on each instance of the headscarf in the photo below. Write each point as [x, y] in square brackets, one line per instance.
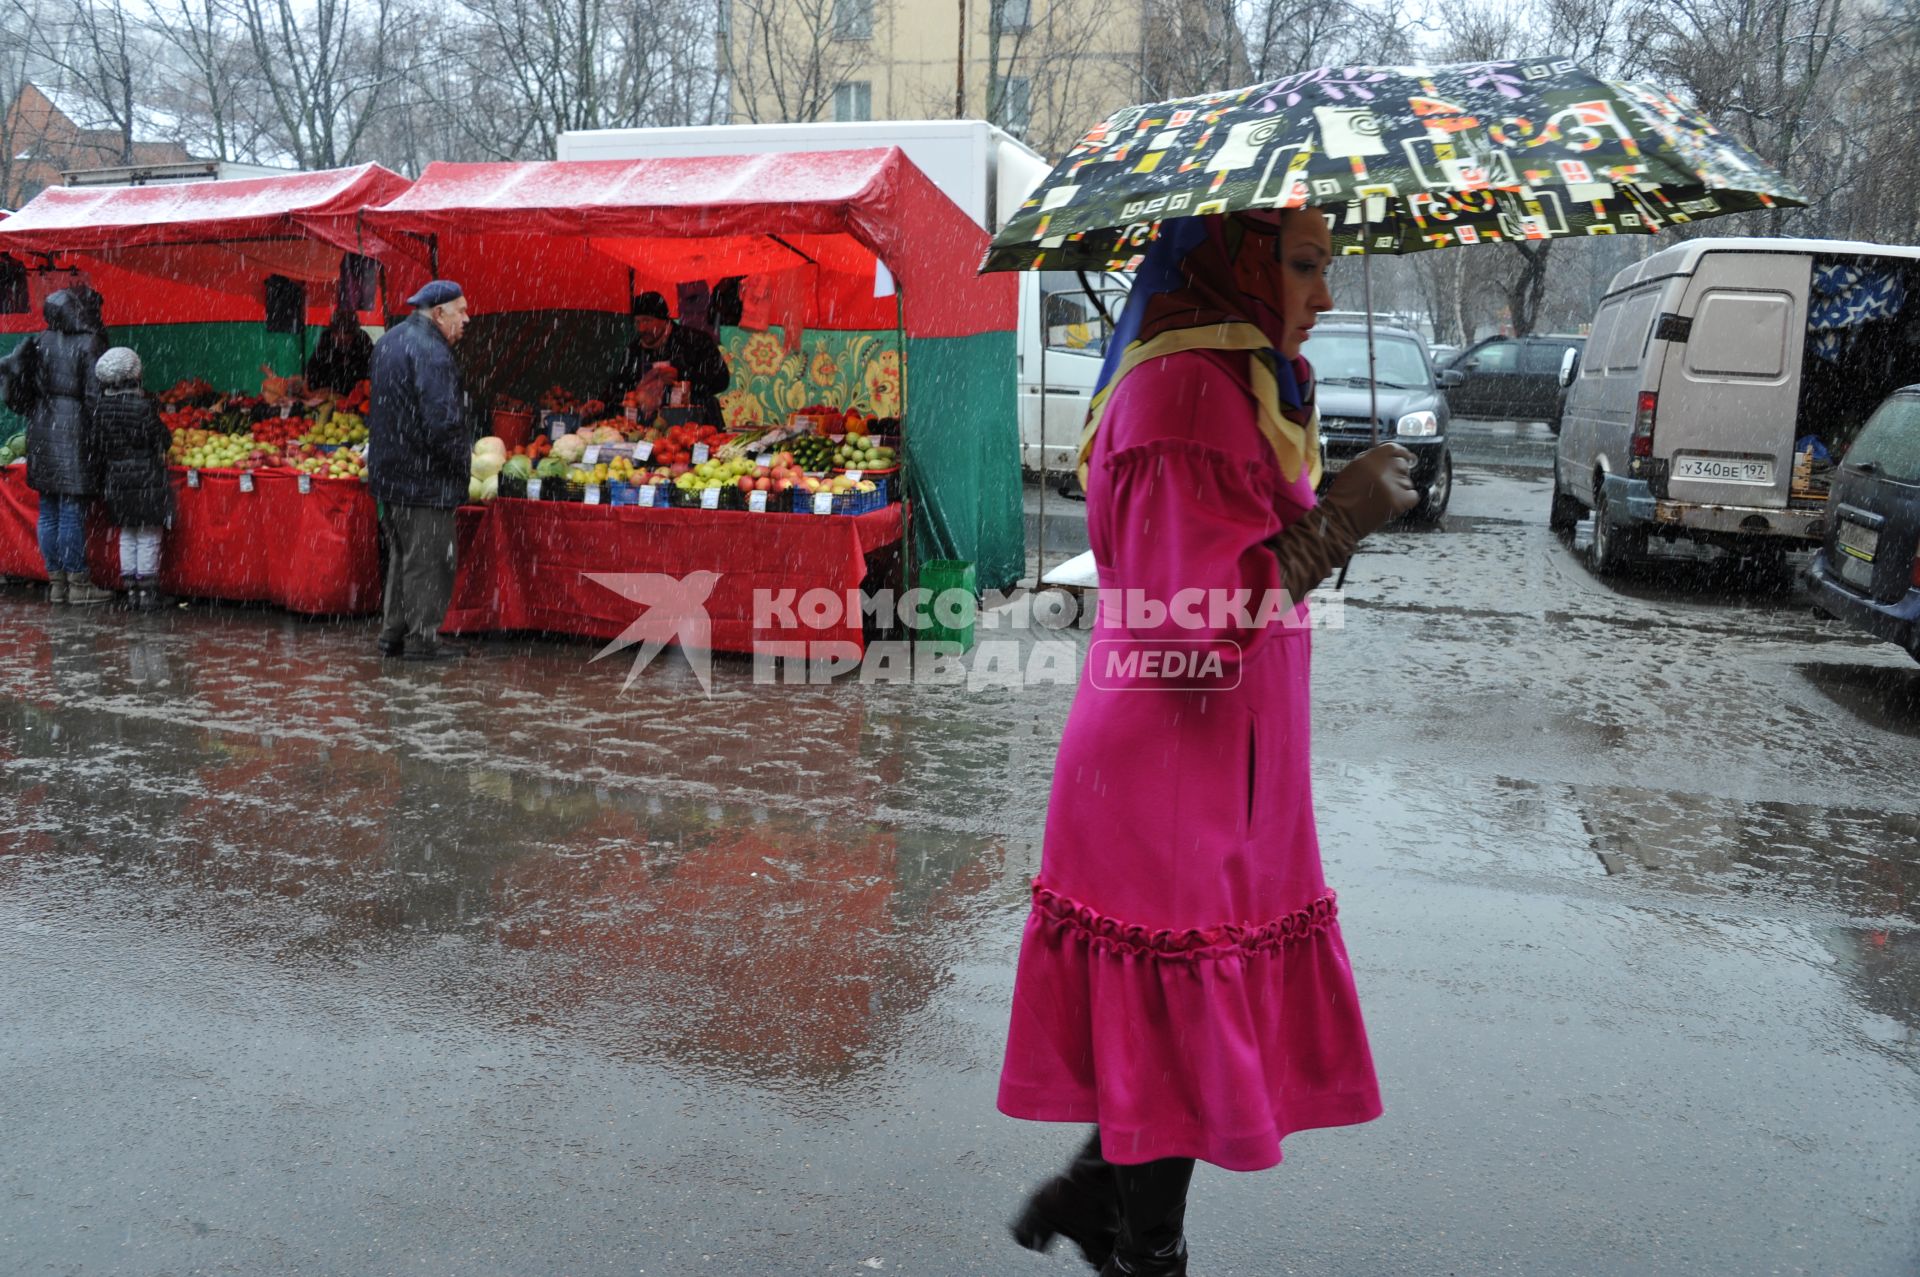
[1184, 298]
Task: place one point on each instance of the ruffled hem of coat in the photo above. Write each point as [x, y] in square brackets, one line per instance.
[1192, 944]
[1213, 1043]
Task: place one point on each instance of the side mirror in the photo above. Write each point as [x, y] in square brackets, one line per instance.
[1569, 367]
[1451, 377]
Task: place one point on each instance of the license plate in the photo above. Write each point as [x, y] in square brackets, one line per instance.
[1725, 470]
[1857, 542]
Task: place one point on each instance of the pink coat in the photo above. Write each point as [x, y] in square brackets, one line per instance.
[1182, 980]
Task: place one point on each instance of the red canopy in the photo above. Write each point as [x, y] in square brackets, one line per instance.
[92, 219]
[533, 235]
[197, 251]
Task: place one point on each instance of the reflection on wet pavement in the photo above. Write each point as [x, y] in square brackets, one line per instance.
[494, 968]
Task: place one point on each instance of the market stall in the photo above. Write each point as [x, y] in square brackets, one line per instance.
[218, 285]
[848, 255]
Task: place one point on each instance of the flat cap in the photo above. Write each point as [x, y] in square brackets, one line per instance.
[437, 293]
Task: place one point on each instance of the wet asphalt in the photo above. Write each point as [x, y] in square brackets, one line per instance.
[319, 965]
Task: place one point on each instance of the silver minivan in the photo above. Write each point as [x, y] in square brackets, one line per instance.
[1706, 363]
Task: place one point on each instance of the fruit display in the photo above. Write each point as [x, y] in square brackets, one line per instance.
[559, 399]
[343, 463]
[192, 391]
[340, 428]
[856, 453]
[210, 450]
[715, 474]
[189, 418]
[281, 430]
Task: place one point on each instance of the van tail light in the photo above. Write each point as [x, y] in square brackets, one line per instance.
[1643, 423]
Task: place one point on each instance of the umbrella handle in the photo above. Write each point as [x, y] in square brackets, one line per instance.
[1341, 583]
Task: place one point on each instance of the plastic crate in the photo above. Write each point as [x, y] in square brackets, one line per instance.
[512, 487]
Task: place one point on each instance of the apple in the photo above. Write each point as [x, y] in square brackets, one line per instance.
[744, 484]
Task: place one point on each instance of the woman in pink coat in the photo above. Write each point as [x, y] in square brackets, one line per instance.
[1182, 982]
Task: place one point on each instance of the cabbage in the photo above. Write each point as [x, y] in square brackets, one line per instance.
[490, 489]
[485, 465]
[473, 489]
[518, 468]
[491, 445]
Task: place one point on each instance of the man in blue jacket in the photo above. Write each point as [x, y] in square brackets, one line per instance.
[419, 449]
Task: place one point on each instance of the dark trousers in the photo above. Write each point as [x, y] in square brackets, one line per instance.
[420, 563]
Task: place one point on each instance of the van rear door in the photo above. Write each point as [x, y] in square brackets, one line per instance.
[1729, 380]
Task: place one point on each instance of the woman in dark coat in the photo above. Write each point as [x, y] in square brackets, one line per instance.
[51, 374]
[132, 445]
[343, 357]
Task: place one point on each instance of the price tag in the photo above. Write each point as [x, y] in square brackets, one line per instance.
[643, 451]
[306, 484]
[592, 456]
[193, 478]
[709, 498]
[700, 453]
[823, 503]
[633, 413]
[286, 410]
[533, 489]
[856, 475]
[646, 496]
[593, 494]
[757, 501]
[246, 481]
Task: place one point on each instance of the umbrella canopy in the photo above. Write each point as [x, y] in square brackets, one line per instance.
[1405, 158]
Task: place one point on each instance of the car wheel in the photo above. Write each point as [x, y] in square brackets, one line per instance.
[1613, 547]
[1434, 501]
[1565, 513]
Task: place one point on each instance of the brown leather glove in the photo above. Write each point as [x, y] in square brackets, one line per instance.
[1375, 486]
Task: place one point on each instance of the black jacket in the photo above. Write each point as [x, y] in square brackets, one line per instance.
[419, 446]
[695, 354]
[340, 360]
[133, 460]
[58, 365]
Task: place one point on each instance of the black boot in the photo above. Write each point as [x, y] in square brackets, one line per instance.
[1153, 1219]
[1081, 1204]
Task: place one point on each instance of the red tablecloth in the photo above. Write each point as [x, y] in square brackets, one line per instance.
[522, 566]
[317, 553]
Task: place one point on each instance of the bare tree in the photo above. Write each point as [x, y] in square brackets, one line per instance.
[327, 70]
[98, 52]
[1049, 63]
[786, 59]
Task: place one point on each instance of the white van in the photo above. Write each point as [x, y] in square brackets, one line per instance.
[989, 173]
[1706, 363]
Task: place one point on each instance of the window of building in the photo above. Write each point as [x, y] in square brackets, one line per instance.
[853, 20]
[853, 101]
[1013, 15]
[1016, 105]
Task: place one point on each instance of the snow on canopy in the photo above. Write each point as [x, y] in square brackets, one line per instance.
[564, 234]
[199, 251]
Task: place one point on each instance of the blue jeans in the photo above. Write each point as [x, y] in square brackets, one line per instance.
[63, 532]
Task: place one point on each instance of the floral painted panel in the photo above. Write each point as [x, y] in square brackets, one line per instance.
[840, 369]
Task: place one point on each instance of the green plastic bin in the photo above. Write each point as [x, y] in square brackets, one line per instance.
[937, 577]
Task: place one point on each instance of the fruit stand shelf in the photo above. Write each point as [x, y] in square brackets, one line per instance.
[524, 565]
[315, 552]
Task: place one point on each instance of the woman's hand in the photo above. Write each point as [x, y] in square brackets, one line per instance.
[1375, 487]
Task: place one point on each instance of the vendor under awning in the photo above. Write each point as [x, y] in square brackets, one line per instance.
[659, 344]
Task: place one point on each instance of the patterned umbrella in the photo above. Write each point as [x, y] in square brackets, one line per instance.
[1403, 158]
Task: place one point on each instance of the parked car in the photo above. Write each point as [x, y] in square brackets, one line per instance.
[1868, 571]
[1511, 378]
[1706, 362]
[1442, 354]
[1412, 405]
